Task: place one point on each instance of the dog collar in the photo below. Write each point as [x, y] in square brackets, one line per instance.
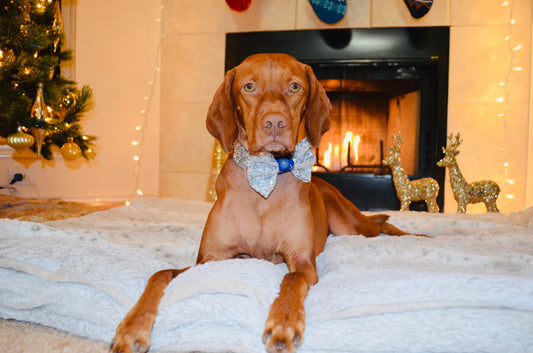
[263, 168]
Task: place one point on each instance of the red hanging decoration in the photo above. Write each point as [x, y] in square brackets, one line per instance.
[239, 5]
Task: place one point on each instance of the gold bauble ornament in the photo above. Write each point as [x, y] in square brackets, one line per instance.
[7, 56]
[20, 140]
[39, 112]
[70, 150]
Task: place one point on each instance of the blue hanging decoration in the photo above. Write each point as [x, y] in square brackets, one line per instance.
[329, 11]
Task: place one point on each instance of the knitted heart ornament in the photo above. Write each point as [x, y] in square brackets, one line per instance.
[418, 8]
[329, 11]
[239, 5]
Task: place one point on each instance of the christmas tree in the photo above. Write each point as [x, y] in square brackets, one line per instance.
[35, 100]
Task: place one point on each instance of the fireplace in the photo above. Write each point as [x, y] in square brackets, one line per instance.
[380, 81]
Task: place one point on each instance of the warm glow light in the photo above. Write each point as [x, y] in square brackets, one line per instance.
[510, 181]
[499, 100]
[139, 192]
[345, 145]
[512, 21]
[509, 196]
[501, 83]
[135, 158]
[518, 47]
[138, 128]
[335, 160]
[135, 143]
[505, 3]
[517, 68]
[127, 203]
[143, 111]
[327, 157]
[506, 164]
[356, 141]
[501, 115]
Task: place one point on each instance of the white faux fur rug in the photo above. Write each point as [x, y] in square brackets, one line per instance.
[469, 288]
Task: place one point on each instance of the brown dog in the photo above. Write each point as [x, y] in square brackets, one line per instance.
[264, 108]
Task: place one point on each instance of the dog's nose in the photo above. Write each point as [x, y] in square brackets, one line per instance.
[274, 123]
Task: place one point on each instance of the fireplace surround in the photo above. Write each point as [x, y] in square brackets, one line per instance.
[381, 81]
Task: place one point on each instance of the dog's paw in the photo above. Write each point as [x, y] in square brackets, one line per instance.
[284, 329]
[132, 335]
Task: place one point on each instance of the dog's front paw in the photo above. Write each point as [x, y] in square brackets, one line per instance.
[284, 328]
[133, 335]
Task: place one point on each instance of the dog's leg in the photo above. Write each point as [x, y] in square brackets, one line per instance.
[133, 332]
[285, 325]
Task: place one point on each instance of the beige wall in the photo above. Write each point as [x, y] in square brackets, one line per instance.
[193, 57]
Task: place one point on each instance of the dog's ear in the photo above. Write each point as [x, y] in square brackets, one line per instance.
[317, 111]
[221, 121]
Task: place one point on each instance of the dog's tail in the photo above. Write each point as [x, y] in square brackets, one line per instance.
[387, 228]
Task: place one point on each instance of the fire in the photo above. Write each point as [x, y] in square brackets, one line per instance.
[345, 147]
[336, 156]
[327, 157]
[356, 141]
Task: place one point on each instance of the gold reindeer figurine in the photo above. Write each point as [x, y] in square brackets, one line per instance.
[407, 190]
[486, 191]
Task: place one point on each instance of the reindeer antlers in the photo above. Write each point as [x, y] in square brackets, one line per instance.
[397, 141]
[453, 145]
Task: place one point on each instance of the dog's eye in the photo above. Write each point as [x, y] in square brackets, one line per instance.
[294, 87]
[249, 87]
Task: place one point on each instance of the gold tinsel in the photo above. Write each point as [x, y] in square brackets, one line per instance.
[485, 191]
[217, 161]
[407, 191]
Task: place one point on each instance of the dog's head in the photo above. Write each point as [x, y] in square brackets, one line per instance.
[268, 103]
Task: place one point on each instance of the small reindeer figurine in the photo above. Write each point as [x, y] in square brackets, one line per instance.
[486, 191]
[407, 190]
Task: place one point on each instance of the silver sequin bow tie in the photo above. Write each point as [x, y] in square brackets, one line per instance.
[263, 168]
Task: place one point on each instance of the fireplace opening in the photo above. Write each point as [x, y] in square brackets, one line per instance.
[380, 82]
[365, 115]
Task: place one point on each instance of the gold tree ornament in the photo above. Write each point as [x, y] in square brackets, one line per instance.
[70, 150]
[217, 161]
[57, 25]
[39, 112]
[485, 191]
[20, 140]
[407, 191]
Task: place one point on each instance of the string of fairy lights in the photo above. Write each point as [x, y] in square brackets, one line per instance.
[504, 99]
[145, 112]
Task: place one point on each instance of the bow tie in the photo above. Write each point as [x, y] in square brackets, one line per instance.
[263, 168]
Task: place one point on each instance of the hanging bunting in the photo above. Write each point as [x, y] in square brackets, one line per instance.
[329, 11]
[239, 5]
[418, 8]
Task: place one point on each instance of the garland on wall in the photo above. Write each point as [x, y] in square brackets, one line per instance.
[513, 68]
[39, 108]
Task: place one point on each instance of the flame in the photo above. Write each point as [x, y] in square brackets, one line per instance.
[327, 157]
[356, 141]
[345, 146]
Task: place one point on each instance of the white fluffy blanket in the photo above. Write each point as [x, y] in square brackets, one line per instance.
[467, 289]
